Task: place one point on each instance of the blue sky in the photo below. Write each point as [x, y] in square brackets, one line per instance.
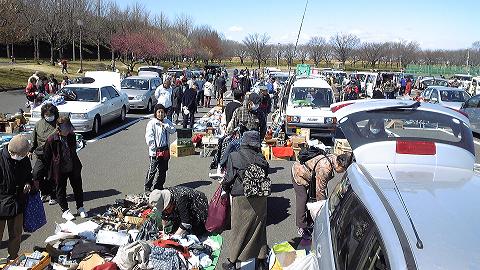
[434, 24]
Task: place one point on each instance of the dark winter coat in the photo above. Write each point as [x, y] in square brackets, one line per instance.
[177, 95]
[53, 156]
[236, 165]
[190, 100]
[13, 177]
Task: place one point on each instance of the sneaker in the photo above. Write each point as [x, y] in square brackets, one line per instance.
[52, 202]
[44, 198]
[304, 233]
[81, 211]
[67, 215]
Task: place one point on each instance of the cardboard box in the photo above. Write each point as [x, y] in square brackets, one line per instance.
[181, 151]
[33, 264]
[296, 151]
[341, 146]
[266, 152]
[298, 141]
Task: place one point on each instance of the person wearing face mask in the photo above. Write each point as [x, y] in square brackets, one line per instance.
[157, 136]
[43, 129]
[62, 159]
[249, 117]
[15, 182]
[375, 128]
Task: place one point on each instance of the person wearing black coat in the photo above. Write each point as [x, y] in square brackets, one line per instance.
[15, 182]
[189, 108]
[177, 95]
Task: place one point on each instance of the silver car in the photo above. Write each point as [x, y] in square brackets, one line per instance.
[472, 108]
[446, 96]
[141, 92]
[408, 200]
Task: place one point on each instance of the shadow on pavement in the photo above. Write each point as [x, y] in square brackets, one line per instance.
[97, 210]
[98, 194]
[280, 187]
[196, 184]
[4, 244]
[277, 210]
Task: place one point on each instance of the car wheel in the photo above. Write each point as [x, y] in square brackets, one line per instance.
[123, 114]
[149, 106]
[96, 125]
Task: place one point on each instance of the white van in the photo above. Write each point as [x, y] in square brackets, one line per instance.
[308, 106]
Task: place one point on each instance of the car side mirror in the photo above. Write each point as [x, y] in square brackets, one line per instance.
[434, 100]
[104, 99]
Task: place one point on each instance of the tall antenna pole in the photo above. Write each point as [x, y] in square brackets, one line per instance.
[298, 37]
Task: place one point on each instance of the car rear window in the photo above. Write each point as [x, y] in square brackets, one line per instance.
[390, 125]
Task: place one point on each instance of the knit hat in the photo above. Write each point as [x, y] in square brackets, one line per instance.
[251, 138]
[255, 98]
[160, 198]
[19, 145]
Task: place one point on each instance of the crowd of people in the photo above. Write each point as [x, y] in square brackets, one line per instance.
[39, 86]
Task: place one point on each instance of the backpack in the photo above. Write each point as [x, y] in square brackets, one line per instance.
[256, 183]
[308, 153]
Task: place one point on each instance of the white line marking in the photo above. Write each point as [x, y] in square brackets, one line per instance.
[115, 130]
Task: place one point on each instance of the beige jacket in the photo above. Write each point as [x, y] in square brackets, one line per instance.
[302, 173]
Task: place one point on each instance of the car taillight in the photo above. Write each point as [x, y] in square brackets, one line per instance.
[338, 107]
[416, 148]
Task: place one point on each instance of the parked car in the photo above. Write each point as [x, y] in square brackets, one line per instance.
[472, 108]
[446, 96]
[464, 79]
[92, 105]
[406, 201]
[180, 72]
[141, 92]
[156, 69]
[308, 106]
[432, 81]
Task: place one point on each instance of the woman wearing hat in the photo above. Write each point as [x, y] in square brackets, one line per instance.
[15, 181]
[186, 209]
[62, 159]
[248, 214]
[157, 136]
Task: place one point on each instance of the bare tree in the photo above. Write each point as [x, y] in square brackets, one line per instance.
[240, 51]
[372, 52]
[316, 47]
[302, 52]
[257, 46]
[289, 53]
[184, 24]
[53, 26]
[343, 46]
[327, 53]
[13, 27]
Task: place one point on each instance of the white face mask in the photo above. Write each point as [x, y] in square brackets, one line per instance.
[49, 118]
[255, 107]
[16, 157]
[375, 130]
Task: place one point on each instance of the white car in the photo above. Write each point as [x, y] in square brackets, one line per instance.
[465, 80]
[308, 106]
[408, 200]
[92, 105]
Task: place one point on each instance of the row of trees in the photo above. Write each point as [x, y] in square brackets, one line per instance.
[132, 35]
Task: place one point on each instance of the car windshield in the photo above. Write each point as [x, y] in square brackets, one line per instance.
[139, 84]
[462, 78]
[311, 97]
[390, 125]
[80, 94]
[453, 96]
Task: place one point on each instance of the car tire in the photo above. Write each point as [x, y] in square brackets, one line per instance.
[149, 106]
[97, 124]
[123, 114]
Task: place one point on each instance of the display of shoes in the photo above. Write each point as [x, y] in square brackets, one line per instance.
[68, 216]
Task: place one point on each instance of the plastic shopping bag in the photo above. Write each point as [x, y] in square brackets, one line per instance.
[218, 212]
[34, 215]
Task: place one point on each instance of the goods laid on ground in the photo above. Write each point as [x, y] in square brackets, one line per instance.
[129, 235]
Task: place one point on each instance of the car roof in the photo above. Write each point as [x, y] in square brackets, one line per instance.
[446, 88]
[159, 67]
[141, 77]
[439, 201]
[311, 82]
[373, 104]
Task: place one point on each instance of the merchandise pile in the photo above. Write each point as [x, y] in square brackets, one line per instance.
[128, 235]
[210, 121]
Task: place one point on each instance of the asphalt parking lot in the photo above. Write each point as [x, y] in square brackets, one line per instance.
[115, 164]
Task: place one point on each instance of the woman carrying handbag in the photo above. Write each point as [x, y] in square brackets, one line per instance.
[157, 139]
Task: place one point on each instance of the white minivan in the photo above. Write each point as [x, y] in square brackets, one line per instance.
[308, 106]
